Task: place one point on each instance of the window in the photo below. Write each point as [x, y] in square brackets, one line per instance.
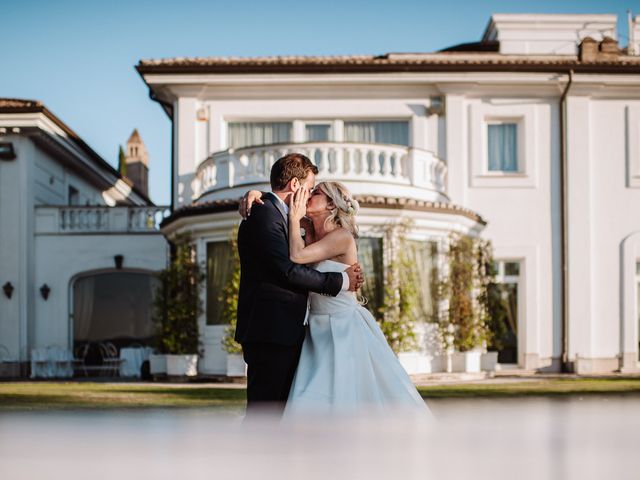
[370, 257]
[317, 132]
[218, 271]
[244, 134]
[74, 196]
[502, 145]
[423, 257]
[504, 310]
[391, 132]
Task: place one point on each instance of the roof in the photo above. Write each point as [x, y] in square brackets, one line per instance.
[365, 201]
[458, 59]
[135, 137]
[18, 105]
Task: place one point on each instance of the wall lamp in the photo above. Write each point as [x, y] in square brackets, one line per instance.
[6, 151]
[44, 291]
[8, 289]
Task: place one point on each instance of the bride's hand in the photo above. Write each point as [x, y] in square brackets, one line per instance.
[298, 206]
[249, 198]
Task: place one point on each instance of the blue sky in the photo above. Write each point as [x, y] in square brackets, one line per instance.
[78, 57]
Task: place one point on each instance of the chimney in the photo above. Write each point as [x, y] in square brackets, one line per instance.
[137, 161]
[588, 50]
[592, 51]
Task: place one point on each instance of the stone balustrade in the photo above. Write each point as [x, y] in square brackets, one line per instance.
[374, 168]
[99, 219]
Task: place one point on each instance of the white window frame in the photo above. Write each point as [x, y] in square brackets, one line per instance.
[519, 150]
[524, 116]
[501, 278]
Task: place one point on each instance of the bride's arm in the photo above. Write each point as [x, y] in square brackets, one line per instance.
[247, 200]
[331, 245]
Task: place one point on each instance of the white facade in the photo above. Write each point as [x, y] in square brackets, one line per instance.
[566, 217]
[58, 222]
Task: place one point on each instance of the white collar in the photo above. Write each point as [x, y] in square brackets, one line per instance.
[286, 207]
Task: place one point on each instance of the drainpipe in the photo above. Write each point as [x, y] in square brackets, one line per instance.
[168, 108]
[564, 360]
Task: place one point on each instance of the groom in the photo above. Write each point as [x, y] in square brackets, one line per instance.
[272, 302]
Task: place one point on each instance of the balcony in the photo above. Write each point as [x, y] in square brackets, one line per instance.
[367, 169]
[99, 219]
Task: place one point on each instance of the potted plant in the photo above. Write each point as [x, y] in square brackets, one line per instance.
[236, 367]
[464, 327]
[177, 307]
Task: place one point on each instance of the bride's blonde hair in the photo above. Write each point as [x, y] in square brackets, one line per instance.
[345, 206]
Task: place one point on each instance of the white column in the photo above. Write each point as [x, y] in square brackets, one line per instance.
[185, 147]
[579, 220]
[456, 159]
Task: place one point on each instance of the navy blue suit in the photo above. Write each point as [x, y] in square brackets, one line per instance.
[272, 302]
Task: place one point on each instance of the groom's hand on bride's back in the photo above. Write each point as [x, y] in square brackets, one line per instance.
[247, 201]
[356, 277]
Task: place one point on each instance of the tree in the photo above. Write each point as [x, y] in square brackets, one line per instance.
[467, 289]
[177, 304]
[122, 161]
[397, 314]
[229, 297]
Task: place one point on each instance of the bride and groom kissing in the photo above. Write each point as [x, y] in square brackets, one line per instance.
[309, 345]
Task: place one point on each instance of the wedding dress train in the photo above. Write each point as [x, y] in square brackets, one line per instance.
[346, 364]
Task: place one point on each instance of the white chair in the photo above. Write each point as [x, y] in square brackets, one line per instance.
[110, 360]
[80, 357]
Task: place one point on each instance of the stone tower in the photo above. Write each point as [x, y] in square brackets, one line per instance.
[137, 160]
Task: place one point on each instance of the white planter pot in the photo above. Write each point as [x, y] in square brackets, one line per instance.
[488, 361]
[157, 364]
[468, 362]
[236, 366]
[182, 365]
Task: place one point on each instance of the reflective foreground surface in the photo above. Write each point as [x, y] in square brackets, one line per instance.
[590, 438]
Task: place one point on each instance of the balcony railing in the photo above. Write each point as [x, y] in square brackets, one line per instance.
[99, 219]
[361, 163]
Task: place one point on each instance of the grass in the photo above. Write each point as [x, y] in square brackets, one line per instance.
[86, 395]
[541, 387]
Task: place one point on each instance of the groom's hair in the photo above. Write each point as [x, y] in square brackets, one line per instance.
[293, 165]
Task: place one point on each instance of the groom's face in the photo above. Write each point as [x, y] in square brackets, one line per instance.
[309, 182]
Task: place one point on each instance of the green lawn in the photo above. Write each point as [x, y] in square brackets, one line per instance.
[542, 387]
[81, 395]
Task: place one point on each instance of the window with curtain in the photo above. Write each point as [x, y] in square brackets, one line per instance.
[251, 134]
[113, 307]
[218, 271]
[423, 258]
[391, 132]
[370, 257]
[502, 145]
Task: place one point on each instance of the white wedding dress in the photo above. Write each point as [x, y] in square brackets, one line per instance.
[346, 365]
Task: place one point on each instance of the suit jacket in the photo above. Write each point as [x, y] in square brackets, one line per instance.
[272, 302]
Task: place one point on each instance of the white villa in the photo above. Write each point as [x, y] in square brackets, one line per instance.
[529, 137]
[78, 242]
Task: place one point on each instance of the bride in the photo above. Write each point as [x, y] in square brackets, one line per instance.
[346, 364]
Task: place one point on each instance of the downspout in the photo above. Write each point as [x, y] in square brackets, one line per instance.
[564, 360]
[168, 108]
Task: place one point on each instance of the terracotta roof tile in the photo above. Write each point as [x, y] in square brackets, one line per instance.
[365, 201]
[390, 61]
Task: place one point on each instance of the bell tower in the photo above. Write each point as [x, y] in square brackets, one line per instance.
[137, 162]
